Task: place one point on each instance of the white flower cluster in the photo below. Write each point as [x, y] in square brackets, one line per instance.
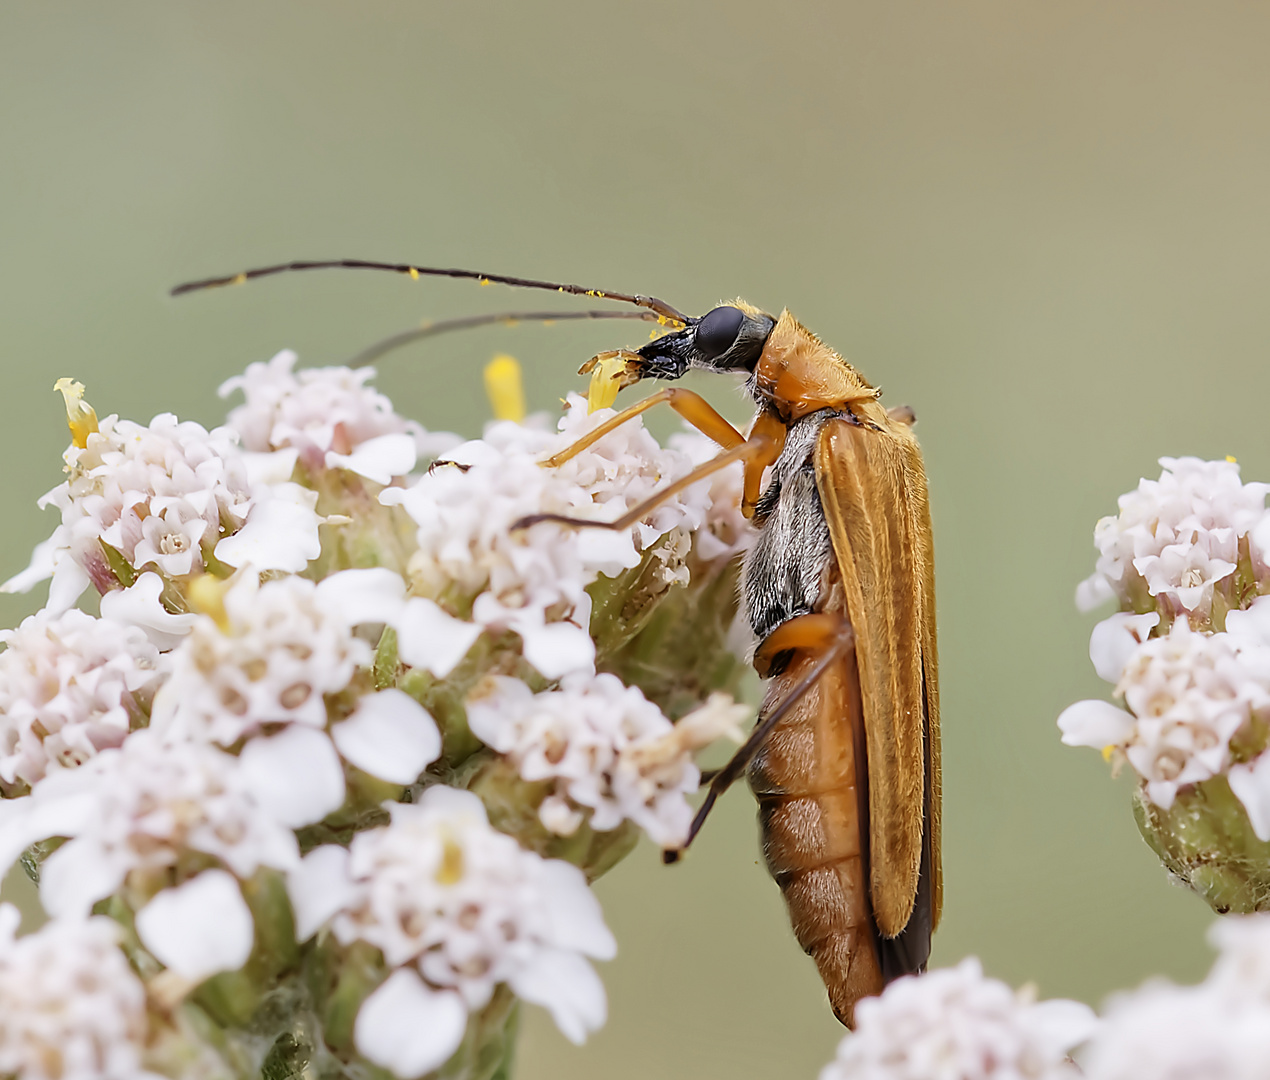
[606, 748]
[957, 1024]
[456, 908]
[166, 497]
[327, 418]
[1219, 1030]
[70, 1007]
[70, 685]
[174, 746]
[1188, 692]
[1179, 535]
[534, 583]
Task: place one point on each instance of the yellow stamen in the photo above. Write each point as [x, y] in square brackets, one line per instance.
[1107, 751]
[450, 872]
[80, 417]
[240, 279]
[505, 389]
[1231, 460]
[414, 274]
[606, 381]
[206, 595]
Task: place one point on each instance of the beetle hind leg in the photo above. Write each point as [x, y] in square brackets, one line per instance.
[821, 632]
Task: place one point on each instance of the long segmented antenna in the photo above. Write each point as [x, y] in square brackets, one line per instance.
[429, 329]
[651, 303]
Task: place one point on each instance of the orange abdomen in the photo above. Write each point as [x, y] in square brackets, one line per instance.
[810, 781]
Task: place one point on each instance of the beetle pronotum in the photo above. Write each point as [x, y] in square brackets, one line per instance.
[839, 590]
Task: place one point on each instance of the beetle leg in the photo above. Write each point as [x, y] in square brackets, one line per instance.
[815, 632]
[747, 450]
[691, 406]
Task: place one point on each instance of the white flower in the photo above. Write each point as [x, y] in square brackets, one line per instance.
[1218, 1030]
[278, 653]
[607, 748]
[330, 417]
[141, 807]
[70, 1006]
[1188, 693]
[70, 685]
[955, 1024]
[162, 496]
[466, 908]
[1180, 534]
[534, 582]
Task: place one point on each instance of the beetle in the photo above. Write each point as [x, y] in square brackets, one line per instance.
[839, 590]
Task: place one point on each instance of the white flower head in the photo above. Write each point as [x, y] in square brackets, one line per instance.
[142, 807]
[270, 658]
[1179, 534]
[1187, 694]
[70, 685]
[1219, 1030]
[329, 417]
[534, 582]
[607, 748]
[955, 1023]
[163, 496]
[441, 893]
[70, 1006]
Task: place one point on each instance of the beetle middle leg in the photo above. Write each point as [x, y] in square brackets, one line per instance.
[823, 632]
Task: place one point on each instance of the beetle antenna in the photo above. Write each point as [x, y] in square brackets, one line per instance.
[651, 303]
[430, 328]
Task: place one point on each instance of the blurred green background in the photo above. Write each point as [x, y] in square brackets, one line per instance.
[1043, 225]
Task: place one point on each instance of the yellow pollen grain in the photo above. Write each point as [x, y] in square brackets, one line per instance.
[505, 388]
[1107, 751]
[1231, 459]
[240, 279]
[414, 274]
[80, 416]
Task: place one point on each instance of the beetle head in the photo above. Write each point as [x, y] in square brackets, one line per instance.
[729, 338]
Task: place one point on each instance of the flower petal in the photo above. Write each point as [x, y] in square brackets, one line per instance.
[378, 459]
[390, 736]
[568, 987]
[371, 595]
[577, 920]
[1094, 723]
[318, 888]
[281, 532]
[409, 1028]
[555, 649]
[75, 877]
[1251, 786]
[1113, 640]
[433, 639]
[139, 605]
[295, 775]
[199, 928]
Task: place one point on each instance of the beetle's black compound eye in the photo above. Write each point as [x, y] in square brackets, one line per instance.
[716, 332]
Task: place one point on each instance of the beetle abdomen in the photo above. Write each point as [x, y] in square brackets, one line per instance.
[809, 779]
